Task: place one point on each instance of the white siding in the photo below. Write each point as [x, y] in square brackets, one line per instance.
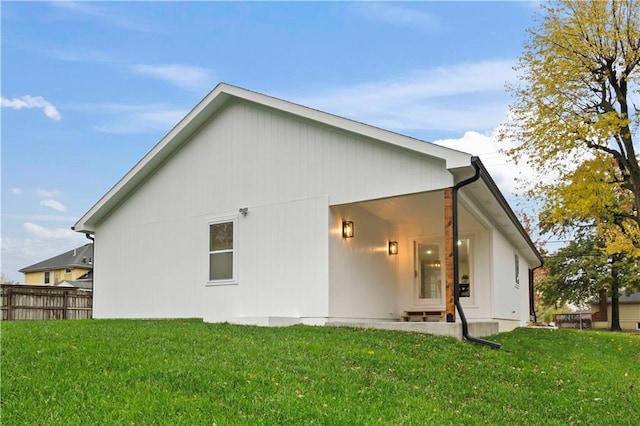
[151, 257]
[629, 316]
[283, 258]
[137, 274]
[478, 306]
[511, 302]
[363, 276]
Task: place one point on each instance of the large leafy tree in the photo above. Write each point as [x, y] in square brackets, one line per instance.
[600, 260]
[576, 103]
[576, 116]
[580, 270]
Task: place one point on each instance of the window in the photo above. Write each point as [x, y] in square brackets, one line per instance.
[517, 271]
[67, 271]
[464, 267]
[221, 251]
[47, 278]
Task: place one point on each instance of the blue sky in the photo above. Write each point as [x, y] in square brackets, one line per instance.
[89, 87]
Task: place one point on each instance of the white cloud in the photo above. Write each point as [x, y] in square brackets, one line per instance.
[47, 193]
[184, 76]
[29, 102]
[91, 9]
[510, 178]
[56, 205]
[396, 14]
[44, 233]
[16, 191]
[148, 118]
[40, 217]
[451, 98]
[502, 169]
[80, 54]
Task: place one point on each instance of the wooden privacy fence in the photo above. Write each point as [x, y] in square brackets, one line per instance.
[27, 302]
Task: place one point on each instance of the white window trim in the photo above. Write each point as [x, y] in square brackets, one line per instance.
[234, 279]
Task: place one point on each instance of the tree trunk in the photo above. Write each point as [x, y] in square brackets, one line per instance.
[615, 301]
[615, 313]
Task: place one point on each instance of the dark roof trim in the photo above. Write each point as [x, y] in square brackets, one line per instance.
[488, 180]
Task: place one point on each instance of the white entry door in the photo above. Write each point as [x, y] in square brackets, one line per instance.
[429, 272]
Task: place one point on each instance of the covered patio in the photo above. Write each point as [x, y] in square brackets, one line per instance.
[400, 258]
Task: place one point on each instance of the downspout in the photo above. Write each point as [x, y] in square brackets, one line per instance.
[532, 300]
[456, 267]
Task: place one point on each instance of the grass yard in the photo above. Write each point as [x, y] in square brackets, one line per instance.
[191, 373]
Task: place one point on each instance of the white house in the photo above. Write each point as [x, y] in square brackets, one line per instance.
[239, 214]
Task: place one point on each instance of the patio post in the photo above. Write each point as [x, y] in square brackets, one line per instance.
[450, 307]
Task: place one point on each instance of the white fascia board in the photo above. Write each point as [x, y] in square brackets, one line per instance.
[209, 106]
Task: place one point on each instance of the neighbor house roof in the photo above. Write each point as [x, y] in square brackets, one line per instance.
[81, 257]
[457, 162]
[632, 298]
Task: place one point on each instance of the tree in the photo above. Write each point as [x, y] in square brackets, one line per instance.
[589, 199]
[588, 205]
[579, 75]
[5, 280]
[581, 270]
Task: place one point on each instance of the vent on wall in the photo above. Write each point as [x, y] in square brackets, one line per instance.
[638, 326]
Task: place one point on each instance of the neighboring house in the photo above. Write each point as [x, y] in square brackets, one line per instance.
[629, 310]
[74, 265]
[256, 210]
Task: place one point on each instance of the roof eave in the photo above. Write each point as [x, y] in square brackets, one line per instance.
[495, 191]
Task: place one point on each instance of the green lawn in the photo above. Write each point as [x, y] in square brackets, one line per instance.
[187, 372]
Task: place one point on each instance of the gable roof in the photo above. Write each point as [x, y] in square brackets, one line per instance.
[214, 102]
[81, 257]
[457, 162]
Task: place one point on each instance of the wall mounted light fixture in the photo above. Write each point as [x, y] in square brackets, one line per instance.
[347, 229]
[393, 247]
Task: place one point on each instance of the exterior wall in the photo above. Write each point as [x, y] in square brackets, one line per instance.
[151, 253]
[362, 275]
[282, 270]
[629, 316]
[55, 276]
[511, 300]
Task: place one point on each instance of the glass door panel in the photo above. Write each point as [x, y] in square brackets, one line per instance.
[429, 272]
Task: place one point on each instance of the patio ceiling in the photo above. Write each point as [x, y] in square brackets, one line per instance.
[407, 209]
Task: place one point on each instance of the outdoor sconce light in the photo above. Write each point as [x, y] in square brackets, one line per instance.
[347, 229]
[393, 247]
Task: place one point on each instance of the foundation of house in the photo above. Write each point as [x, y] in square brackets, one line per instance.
[449, 329]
